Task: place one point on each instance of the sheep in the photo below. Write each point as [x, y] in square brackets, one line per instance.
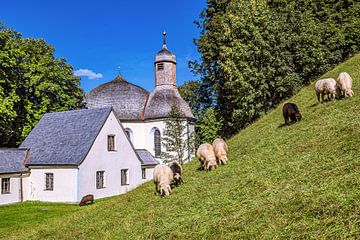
[291, 112]
[220, 148]
[177, 171]
[163, 176]
[344, 85]
[86, 200]
[327, 87]
[206, 156]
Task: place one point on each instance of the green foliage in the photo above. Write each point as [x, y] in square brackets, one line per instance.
[254, 54]
[32, 83]
[207, 127]
[176, 138]
[295, 182]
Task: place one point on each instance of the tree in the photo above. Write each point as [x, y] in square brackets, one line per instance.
[32, 83]
[176, 138]
[208, 127]
[255, 54]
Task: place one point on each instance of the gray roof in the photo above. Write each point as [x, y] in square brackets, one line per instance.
[146, 157]
[12, 160]
[64, 138]
[162, 99]
[127, 99]
[164, 55]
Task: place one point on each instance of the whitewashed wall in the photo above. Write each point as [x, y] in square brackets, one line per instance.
[149, 174]
[14, 195]
[65, 185]
[100, 159]
[143, 134]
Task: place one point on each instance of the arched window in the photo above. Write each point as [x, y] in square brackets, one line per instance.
[157, 143]
[129, 134]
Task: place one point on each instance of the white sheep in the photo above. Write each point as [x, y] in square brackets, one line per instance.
[327, 87]
[163, 176]
[344, 85]
[221, 149]
[206, 156]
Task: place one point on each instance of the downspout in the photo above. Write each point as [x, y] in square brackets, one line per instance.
[188, 139]
[21, 188]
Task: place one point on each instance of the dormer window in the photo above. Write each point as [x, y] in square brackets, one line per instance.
[160, 66]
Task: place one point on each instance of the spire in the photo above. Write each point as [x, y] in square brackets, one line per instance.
[164, 43]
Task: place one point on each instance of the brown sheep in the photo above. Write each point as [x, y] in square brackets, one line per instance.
[220, 148]
[177, 171]
[206, 156]
[291, 113]
[88, 199]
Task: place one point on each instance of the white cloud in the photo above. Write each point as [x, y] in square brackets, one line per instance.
[87, 73]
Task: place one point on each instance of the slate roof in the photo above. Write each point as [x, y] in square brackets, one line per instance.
[146, 157]
[164, 55]
[162, 99]
[64, 138]
[12, 160]
[127, 99]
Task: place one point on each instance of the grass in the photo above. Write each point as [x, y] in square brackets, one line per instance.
[295, 182]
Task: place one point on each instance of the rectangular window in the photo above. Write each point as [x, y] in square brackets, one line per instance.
[124, 177]
[5, 185]
[111, 142]
[49, 181]
[100, 179]
[160, 66]
[143, 173]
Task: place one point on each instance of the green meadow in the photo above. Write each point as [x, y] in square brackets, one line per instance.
[282, 182]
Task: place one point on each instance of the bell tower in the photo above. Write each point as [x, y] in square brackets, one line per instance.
[165, 66]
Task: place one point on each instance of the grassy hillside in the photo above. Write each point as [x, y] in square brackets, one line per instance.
[301, 181]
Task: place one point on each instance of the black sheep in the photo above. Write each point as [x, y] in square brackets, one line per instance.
[291, 112]
[177, 171]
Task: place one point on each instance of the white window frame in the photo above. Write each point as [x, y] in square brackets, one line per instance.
[5, 185]
[100, 176]
[113, 149]
[127, 180]
[49, 186]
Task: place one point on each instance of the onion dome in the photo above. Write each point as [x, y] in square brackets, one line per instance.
[127, 99]
[162, 99]
[165, 55]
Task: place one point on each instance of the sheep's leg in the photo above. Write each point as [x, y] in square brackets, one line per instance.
[322, 97]
[286, 119]
[318, 96]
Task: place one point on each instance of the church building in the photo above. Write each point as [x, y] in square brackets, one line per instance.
[143, 114]
[105, 150]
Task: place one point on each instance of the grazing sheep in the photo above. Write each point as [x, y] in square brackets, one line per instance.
[344, 85]
[163, 176]
[325, 87]
[291, 112]
[206, 156]
[220, 148]
[177, 171]
[88, 199]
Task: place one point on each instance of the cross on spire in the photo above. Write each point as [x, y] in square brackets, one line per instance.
[118, 68]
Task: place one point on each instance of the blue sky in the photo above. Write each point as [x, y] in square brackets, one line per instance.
[102, 35]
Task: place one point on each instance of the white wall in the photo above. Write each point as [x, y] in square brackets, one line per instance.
[149, 174]
[100, 159]
[65, 185]
[143, 137]
[14, 195]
